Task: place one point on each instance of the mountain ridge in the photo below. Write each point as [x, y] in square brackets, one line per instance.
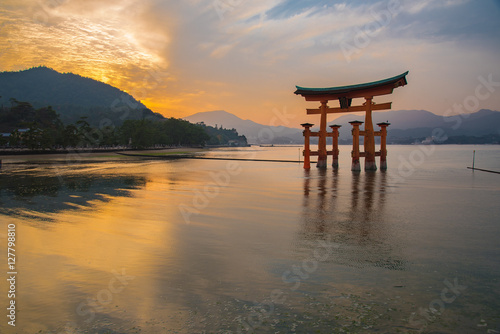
[254, 132]
[71, 95]
[405, 125]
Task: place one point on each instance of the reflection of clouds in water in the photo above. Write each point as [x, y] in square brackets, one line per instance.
[353, 216]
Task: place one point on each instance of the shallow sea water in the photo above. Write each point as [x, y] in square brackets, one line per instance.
[214, 246]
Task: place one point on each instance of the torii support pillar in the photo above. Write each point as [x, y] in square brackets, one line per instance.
[383, 144]
[335, 148]
[355, 167]
[307, 150]
[322, 152]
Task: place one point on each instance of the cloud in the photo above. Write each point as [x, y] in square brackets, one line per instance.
[92, 38]
[246, 55]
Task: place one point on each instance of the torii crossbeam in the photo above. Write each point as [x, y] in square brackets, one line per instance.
[345, 95]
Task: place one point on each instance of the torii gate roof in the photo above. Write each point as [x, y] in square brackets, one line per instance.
[381, 87]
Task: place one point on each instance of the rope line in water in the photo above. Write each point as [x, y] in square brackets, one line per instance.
[484, 170]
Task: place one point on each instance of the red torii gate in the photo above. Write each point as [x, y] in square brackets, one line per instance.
[345, 94]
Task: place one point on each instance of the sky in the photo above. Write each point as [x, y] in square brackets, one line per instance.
[245, 57]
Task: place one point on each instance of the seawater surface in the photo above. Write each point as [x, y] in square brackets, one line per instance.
[214, 246]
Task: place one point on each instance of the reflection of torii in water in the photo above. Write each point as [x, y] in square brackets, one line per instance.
[357, 223]
[345, 94]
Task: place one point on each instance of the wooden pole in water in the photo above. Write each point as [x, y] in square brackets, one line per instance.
[473, 158]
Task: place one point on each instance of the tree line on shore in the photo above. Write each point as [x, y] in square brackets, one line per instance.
[23, 126]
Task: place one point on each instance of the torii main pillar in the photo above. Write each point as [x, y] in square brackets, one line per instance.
[369, 140]
[345, 95]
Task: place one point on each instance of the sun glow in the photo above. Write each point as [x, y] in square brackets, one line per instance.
[98, 46]
[181, 58]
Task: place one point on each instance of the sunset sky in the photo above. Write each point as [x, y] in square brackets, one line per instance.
[245, 57]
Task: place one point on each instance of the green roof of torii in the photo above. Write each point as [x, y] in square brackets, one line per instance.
[399, 80]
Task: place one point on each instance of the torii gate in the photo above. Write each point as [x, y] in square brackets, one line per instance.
[345, 94]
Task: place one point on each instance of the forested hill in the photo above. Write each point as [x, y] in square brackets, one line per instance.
[41, 108]
[22, 126]
[71, 96]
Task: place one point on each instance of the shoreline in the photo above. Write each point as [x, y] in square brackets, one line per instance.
[7, 152]
[90, 155]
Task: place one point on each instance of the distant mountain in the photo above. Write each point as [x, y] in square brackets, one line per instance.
[418, 124]
[254, 132]
[72, 96]
[407, 126]
[399, 119]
